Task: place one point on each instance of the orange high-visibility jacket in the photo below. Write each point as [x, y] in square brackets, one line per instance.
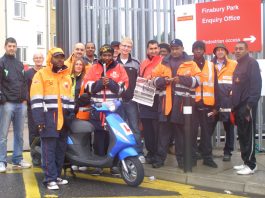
[51, 98]
[82, 114]
[148, 65]
[188, 68]
[114, 71]
[225, 76]
[206, 89]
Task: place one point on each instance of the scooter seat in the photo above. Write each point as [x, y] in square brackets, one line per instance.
[81, 126]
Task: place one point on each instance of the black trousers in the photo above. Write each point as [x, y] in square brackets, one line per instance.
[166, 131]
[245, 121]
[207, 125]
[150, 133]
[101, 142]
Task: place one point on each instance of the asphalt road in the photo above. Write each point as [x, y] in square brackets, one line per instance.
[28, 183]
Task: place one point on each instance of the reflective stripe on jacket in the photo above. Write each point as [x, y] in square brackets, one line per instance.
[50, 96]
[205, 91]
[114, 71]
[225, 76]
[186, 69]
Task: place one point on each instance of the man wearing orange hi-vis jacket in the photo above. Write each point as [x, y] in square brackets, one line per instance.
[52, 104]
[176, 77]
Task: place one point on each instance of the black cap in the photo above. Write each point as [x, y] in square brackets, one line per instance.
[114, 43]
[220, 45]
[176, 43]
[198, 44]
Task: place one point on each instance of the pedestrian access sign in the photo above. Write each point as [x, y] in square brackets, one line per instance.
[227, 22]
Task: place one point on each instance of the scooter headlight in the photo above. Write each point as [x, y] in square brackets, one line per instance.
[112, 105]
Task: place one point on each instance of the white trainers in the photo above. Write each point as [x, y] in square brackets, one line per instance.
[240, 167]
[82, 168]
[246, 171]
[61, 181]
[142, 159]
[52, 186]
[2, 167]
[22, 164]
[74, 167]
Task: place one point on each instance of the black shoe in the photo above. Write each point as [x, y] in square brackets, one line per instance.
[115, 171]
[227, 158]
[210, 163]
[157, 164]
[97, 172]
[149, 160]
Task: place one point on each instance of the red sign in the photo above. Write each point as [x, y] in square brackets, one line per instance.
[228, 22]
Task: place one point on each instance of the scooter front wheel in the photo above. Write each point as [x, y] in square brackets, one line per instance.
[135, 174]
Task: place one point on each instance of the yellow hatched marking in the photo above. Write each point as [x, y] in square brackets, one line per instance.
[186, 191]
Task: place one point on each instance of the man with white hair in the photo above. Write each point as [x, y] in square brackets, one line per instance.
[38, 59]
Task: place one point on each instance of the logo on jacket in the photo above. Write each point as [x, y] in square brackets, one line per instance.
[66, 85]
[114, 74]
[237, 80]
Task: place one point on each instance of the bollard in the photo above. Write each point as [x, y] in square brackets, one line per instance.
[187, 111]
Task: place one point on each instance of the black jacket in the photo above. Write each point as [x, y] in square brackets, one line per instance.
[132, 68]
[13, 83]
[246, 88]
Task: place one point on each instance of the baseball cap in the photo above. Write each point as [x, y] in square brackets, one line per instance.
[114, 43]
[176, 43]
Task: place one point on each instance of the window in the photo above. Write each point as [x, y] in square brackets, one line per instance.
[20, 9]
[40, 39]
[54, 40]
[21, 54]
[39, 2]
[53, 4]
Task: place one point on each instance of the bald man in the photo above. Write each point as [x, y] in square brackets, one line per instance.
[78, 52]
[38, 59]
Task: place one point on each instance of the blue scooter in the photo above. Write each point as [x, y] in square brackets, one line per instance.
[120, 152]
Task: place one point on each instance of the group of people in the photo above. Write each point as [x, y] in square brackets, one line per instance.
[56, 94]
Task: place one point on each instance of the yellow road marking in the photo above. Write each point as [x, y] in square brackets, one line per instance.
[30, 181]
[186, 191]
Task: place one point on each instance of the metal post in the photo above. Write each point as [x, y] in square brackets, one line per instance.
[187, 110]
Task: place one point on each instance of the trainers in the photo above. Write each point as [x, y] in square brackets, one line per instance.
[142, 159]
[60, 181]
[97, 171]
[74, 167]
[240, 167]
[22, 164]
[115, 171]
[2, 167]
[52, 186]
[82, 168]
[246, 171]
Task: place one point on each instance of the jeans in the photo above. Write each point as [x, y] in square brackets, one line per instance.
[15, 112]
[129, 112]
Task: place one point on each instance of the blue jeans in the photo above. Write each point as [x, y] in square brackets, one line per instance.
[15, 112]
[129, 112]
